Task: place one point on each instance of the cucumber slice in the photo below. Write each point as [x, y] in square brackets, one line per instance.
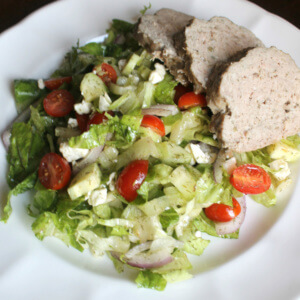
[142, 149]
[85, 181]
[92, 87]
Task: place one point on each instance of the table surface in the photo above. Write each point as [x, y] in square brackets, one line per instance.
[13, 11]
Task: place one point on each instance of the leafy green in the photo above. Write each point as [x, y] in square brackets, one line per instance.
[164, 92]
[203, 224]
[26, 185]
[95, 49]
[61, 227]
[168, 218]
[74, 63]
[26, 149]
[177, 275]
[44, 199]
[26, 92]
[122, 26]
[267, 198]
[144, 10]
[208, 191]
[149, 280]
[125, 131]
[170, 120]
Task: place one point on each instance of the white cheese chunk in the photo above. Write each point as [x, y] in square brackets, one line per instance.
[83, 107]
[158, 74]
[41, 84]
[72, 154]
[281, 169]
[72, 123]
[97, 197]
[199, 155]
[104, 102]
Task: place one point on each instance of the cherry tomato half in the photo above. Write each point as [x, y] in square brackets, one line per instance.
[181, 90]
[82, 121]
[250, 179]
[98, 118]
[54, 171]
[58, 103]
[191, 99]
[155, 123]
[219, 212]
[107, 73]
[55, 83]
[131, 178]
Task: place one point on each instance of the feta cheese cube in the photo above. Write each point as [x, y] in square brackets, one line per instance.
[200, 156]
[72, 154]
[72, 123]
[281, 169]
[158, 74]
[83, 107]
[41, 84]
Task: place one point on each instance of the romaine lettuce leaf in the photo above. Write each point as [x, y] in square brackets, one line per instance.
[125, 131]
[27, 184]
[26, 92]
[26, 149]
[149, 280]
[164, 92]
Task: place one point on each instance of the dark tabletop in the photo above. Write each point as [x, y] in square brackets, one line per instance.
[12, 11]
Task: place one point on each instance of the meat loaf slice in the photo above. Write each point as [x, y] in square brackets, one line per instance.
[205, 43]
[255, 99]
[155, 33]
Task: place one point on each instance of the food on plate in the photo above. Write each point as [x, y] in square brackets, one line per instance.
[156, 34]
[203, 44]
[255, 99]
[122, 157]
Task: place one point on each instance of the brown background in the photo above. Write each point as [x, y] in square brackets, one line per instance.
[12, 11]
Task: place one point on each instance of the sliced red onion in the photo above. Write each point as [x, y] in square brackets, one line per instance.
[6, 139]
[217, 166]
[222, 162]
[150, 260]
[138, 249]
[89, 159]
[233, 225]
[161, 110]
[229, 165]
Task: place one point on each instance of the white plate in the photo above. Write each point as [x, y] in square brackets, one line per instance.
[29, 269]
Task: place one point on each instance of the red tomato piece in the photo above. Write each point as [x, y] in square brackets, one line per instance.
[98, 118]
[191, 99]
[250, 179]
[55, 83]
[82, 121]
[131, 178]
[59, 103]
[181, 90]
[54, 171]
[155, 123]
[219, 212]
[107, 73]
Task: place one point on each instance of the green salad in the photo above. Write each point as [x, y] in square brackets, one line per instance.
[123, 163]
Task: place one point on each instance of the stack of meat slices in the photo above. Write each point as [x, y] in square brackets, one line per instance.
[253, 91]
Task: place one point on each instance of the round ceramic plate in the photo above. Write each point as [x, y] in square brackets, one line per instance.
[263, 263]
